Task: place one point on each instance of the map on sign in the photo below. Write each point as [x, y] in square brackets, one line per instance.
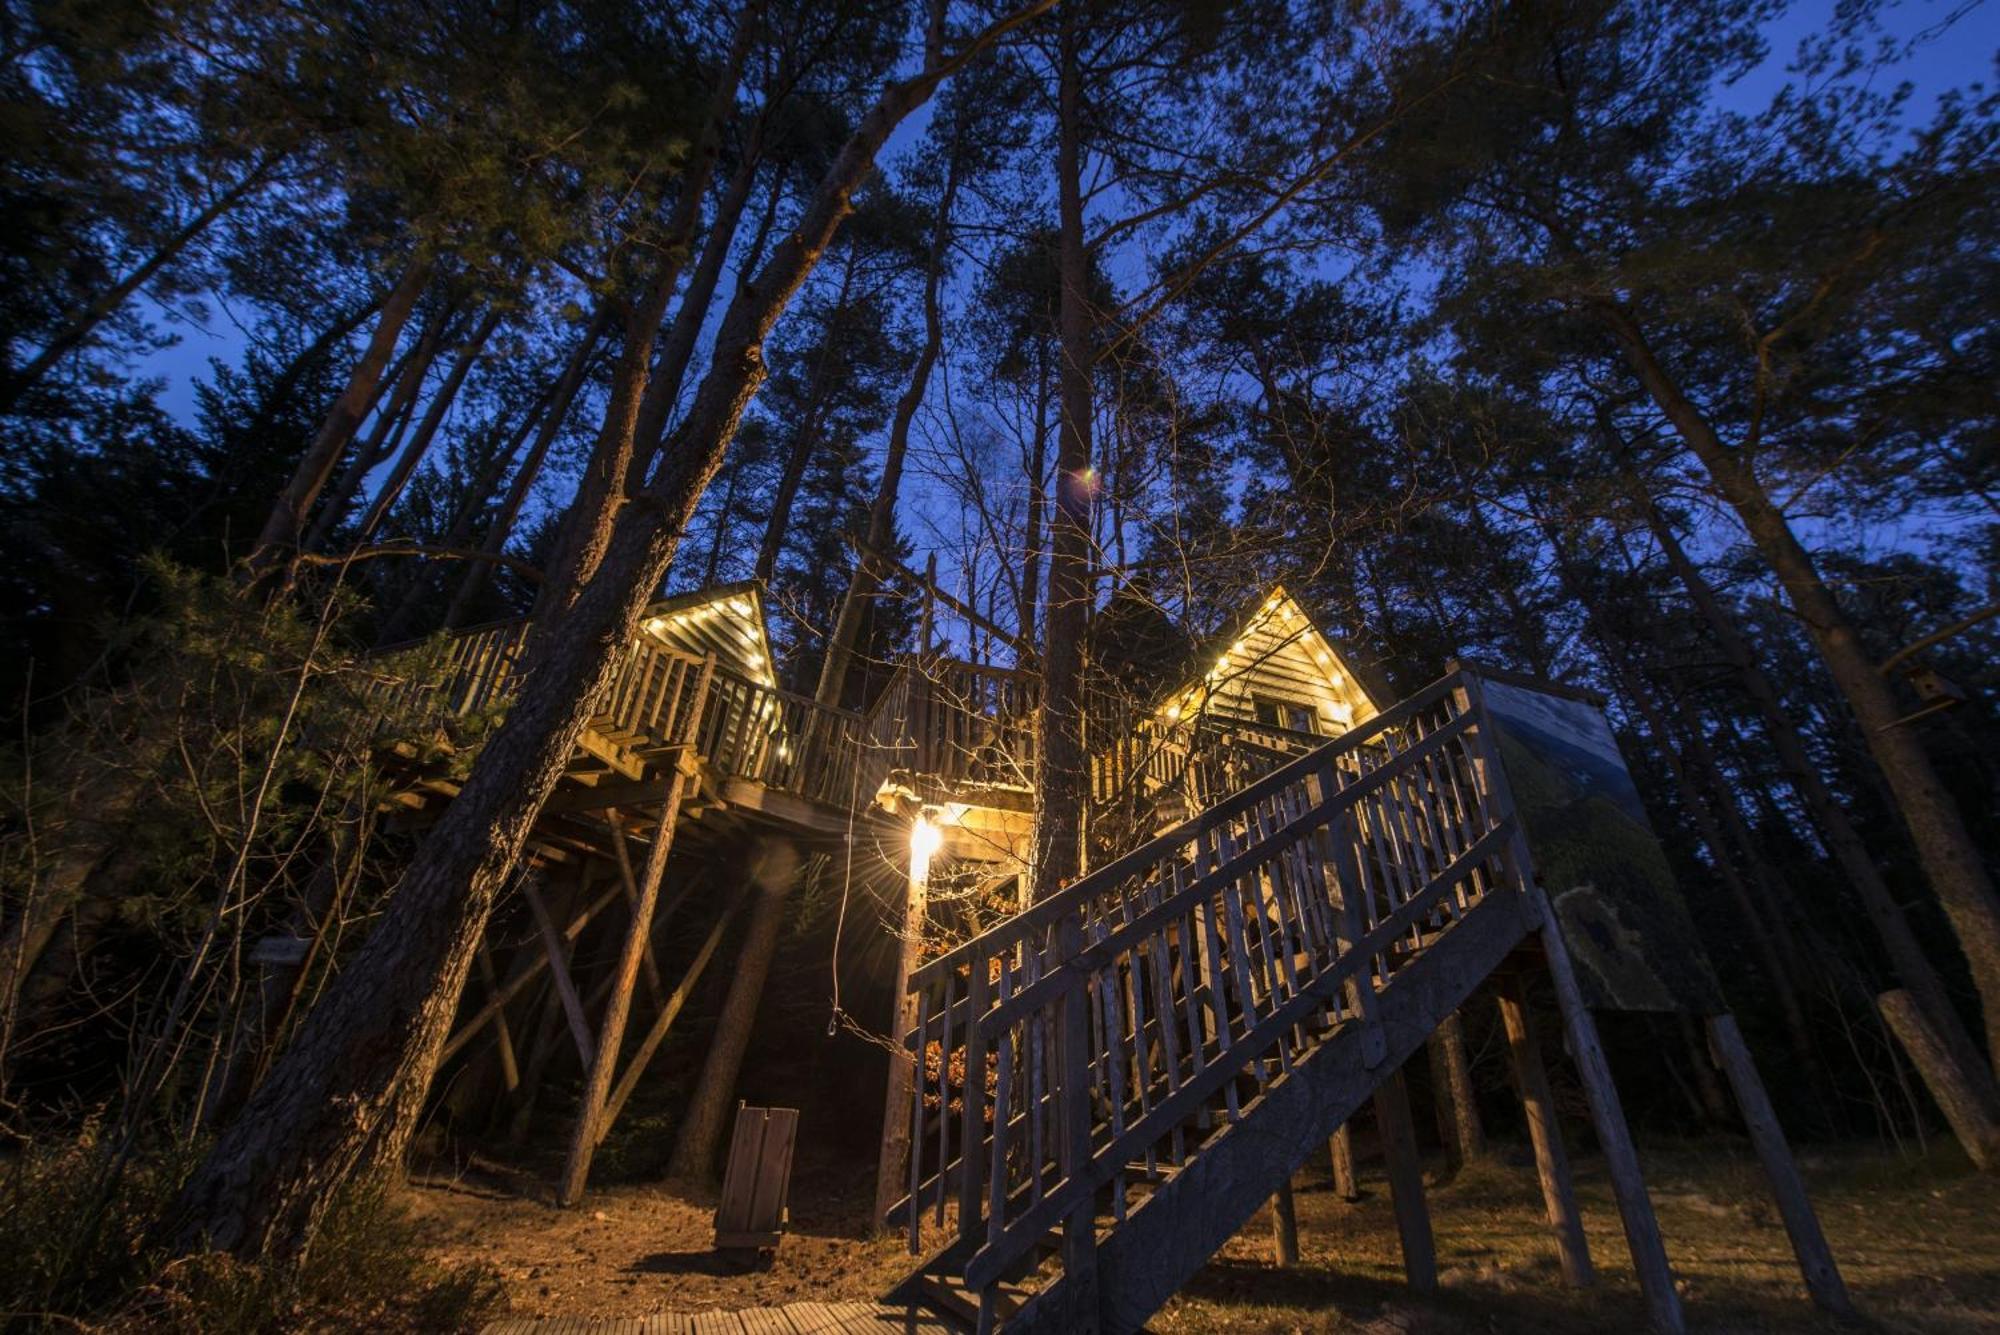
[1621, 913]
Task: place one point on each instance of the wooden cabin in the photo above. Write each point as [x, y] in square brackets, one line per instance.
[697, 744]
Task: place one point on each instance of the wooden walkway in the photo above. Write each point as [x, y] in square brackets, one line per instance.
[791, 1319]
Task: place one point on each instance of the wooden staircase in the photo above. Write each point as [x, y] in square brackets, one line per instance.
[1112, 1082]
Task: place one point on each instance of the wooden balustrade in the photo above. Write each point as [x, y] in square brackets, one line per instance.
[956, 724]
[783, 741]
[1102, 1035]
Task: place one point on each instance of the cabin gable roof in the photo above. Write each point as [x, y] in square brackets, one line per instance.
[1272, 650]
[727, 621]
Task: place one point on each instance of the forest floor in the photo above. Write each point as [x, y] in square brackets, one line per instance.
[1918, 1241]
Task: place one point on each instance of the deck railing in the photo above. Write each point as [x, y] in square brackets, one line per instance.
[1099, 1036]
[789, 742]
[747, 729]
[956, 724]
[1193, 763]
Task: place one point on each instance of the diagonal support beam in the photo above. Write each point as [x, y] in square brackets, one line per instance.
[618, 1008]
[648, 965]
[553, 949]
[650, 1044]
[522, 976]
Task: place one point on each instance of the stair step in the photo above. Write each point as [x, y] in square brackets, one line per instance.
[948, 1294]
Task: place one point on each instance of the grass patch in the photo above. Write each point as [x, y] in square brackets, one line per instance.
[1918, 1241]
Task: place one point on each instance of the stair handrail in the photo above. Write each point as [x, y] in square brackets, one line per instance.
[1311, 875]
[1044, 912]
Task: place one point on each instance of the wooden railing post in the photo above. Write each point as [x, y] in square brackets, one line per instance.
[973, 1117]
[1079, 1251]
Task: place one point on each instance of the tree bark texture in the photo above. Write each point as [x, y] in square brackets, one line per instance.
[866, 582]
[1857, 861]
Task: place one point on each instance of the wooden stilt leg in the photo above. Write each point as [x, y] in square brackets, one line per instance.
[647, 964]
[523, 975]
[611, 1036]
[510, 1069]
[1531, 1078]
[1614, 1137]
[548, 1028]
[1284, 1228]
[665, 1020]
[1341, 1148]
[556, 948]
[1406, 1183]
[895, 1147]
[1816, 1264]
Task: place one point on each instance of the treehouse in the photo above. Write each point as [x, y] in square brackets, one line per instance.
[1294, 881]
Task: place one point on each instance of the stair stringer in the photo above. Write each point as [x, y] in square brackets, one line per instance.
[1169, 1236]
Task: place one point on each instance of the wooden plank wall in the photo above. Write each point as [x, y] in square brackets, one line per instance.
[1286, 659]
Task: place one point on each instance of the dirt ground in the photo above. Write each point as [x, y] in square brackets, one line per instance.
[1918, 1241]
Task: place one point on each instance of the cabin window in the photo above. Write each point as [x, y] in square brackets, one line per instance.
[1274, 713]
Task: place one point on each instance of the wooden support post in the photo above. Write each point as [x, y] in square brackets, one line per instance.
[510, 1069]
[1284, 1228]
[664, 1021]
[1341, 1149]
[611, 1035]
[774, 873]
[1614, 1137]
[1079, 1246]
[556, 948]
[1531, 1079]
[1816, 1263]
[616, 819]
[522, 975]
[896, 1129]
[1406, 1183]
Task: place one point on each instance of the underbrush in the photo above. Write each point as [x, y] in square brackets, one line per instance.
[76, 1253]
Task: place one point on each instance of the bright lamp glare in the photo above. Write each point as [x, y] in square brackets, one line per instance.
[925, 839]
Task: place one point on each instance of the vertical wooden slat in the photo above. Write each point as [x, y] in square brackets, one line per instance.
[972, 1121]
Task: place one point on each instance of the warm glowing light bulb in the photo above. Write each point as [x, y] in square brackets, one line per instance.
[925, 840]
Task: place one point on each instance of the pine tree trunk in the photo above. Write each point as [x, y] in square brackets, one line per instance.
[1061, 780]
[1950, 859]
[639, 403]
[420, 443]
[774, 872]
[345, 1096]
[287, 518]
[83, 323]
[867, 579]
[403, 380]
[806, 435]
[1456, 1095]
[479, 572]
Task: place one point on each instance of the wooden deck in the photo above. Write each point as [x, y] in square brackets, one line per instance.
[791, 1319]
